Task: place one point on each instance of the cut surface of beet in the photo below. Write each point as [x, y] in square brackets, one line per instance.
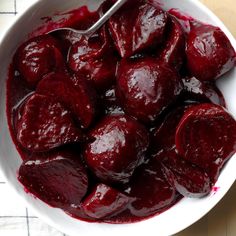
[60, 180]
[188, 179]
[75, 93]
[46, 124]
[206, 136]
[150, 190]
[135, 28]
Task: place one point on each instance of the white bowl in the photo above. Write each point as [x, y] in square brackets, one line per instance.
[178, 217]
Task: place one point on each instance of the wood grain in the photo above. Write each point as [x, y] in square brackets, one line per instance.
[221, 221]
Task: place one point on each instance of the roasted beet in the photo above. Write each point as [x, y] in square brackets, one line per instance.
[146, 87]
[46, 124]
[197, 90]
[206, 136]
[94, 59]
[150, 191]
[188, 179]
[37, 57]
[104, 201]
[173, 53]
[138, 27]
[118, 147]
[209, 52]
[75, 93]
[60, 180]
[163, 137]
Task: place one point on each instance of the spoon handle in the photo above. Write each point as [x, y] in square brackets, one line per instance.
[98, 24]
[105, 17]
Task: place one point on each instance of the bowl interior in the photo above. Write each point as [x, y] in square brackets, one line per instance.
[171, 221]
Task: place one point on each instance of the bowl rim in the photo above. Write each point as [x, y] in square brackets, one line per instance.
[47, 219]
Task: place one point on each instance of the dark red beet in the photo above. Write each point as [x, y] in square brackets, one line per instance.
[209, 52]
[37, 57]
[94, 59]
[119, 146]
[206, 136]
[163, 138]
[173, 53]
[60, 180]
[75, 93]
[137, 27]
[202, 91]
[146, 87]
[150, 191]
[188, 179]
[46, 124]
[104, 201]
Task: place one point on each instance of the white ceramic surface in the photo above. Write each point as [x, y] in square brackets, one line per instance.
[177, 218]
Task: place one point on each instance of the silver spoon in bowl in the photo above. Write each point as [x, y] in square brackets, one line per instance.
[96, 25]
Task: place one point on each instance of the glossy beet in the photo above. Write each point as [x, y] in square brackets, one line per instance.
[188, 179]
[118, 147]
[163, 135]
[146, 87]
[38, 57]
[94, 59]
[75, 93]
[135, 28]
[60, 180]
[173, 52]
[206, 136]
[104, 201]
[209, 52]
[197, 90]
[46, 124]
[150, 191]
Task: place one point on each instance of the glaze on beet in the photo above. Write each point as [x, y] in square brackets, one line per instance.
[107, 125]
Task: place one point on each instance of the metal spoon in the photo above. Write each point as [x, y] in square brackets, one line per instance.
[98, 24]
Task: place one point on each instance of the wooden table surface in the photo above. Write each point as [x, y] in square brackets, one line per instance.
[221, 221]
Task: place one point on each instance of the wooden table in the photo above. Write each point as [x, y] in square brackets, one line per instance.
[221, 221]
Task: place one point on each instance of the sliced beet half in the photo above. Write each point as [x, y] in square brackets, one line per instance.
[150, 191]
[188, 179]
[74, 92]
[46, 124]
[206, 136]
[137, 27]
[59, 180]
